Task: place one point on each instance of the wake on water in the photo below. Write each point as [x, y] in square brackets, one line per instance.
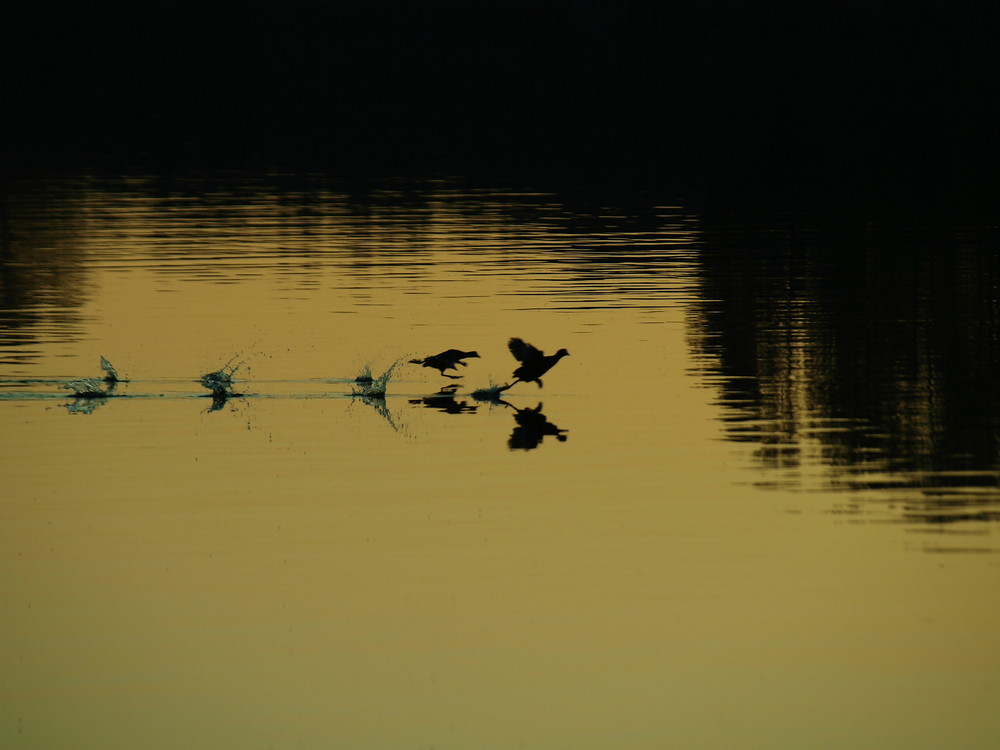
[221, 383]
[96, 387]
[88, 388]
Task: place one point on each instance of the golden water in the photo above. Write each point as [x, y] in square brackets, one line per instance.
[692, 566]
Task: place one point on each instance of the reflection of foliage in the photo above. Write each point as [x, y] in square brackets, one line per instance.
[43, 265]
[873, 349]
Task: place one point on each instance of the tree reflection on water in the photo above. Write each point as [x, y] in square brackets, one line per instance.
[870, 348]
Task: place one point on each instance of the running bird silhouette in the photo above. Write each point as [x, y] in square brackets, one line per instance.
[534, 363]
[445, 360]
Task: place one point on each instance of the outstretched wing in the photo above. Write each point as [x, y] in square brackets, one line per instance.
[522, 351]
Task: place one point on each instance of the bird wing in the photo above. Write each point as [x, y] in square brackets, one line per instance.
[522, 351]
[450, 354]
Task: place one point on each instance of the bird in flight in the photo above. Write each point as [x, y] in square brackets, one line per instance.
[534, 363]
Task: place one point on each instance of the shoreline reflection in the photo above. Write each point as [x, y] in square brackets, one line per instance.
[857, 359]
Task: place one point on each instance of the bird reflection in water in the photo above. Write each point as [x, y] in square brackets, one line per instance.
[379, 405]
[445, 400]
[532, 424]
[532, 427]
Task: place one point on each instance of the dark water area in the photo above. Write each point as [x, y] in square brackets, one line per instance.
[730, 102]
[880, 341]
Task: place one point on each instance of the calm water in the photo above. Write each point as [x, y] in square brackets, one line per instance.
[757, 506]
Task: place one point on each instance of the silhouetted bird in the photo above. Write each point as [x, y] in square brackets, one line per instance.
[532, 427]
[534, 363]
[445, 360]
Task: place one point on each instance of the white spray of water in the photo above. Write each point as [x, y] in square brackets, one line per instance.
[377, 387]
[220, 382]
[87, 388]
[110, 373]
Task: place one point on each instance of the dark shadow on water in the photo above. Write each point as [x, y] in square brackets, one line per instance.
[43, 269]
[871, 348]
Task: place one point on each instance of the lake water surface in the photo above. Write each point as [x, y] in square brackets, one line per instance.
[757, 506]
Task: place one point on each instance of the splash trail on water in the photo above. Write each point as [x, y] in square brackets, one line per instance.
[490, 394]
[375, 387]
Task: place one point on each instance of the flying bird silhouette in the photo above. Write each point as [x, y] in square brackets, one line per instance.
[534, 363]
[445, 360]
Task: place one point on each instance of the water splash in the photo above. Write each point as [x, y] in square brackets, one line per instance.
[379, 405]
[87, 388]
[490, 394]
[88, 394]
[110, 373]
[377, 386]
[220, 382]
[366, 375]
